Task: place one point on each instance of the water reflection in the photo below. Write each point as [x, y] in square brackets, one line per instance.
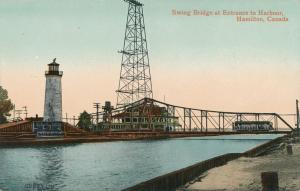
[3, 167]
[52, 173]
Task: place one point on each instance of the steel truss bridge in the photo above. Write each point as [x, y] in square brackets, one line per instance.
[191, 119]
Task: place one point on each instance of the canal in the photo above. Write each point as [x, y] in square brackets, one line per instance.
[110, 166]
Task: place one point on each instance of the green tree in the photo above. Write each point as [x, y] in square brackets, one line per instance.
[5, 105]
[85, 120]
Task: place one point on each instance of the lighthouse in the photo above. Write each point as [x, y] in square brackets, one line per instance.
[53, 93]
[52, 125]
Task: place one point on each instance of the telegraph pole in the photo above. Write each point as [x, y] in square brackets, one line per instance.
[66, 117]
[97, 106]
[25, 111]
[297, 115]
[14, 112]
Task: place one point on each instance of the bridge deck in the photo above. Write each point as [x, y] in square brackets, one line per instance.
[114, 136]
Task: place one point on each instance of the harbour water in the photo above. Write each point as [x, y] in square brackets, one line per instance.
[112, 165]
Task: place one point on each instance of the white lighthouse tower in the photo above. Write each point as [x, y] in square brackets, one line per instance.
[53, 93]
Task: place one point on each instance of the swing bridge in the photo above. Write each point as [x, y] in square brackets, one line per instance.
[152, 115]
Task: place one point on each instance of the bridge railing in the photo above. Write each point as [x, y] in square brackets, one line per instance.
[178, 118]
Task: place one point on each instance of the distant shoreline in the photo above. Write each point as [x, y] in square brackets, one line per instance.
[116, 136]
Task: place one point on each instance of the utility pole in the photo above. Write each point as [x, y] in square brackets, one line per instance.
[66, 117]
[14, 112]
[297, 117]
[97, 106]
[25, 111]
[74, 121]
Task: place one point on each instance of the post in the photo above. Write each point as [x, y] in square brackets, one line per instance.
[14, 113]
[66, 117]
[25, 111]
[276, 123]
[223, 123]
[289, 149]
[201, 122]
[269, 181]
[184, 120]
[167, 120]
[190, 119]
[297, 117]
[257, 119]
[96, 106]
[206, 126]
[219, 122]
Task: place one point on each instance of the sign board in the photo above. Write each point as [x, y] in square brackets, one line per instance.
[48, 129]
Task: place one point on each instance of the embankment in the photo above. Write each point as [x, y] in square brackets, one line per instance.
[173, 180]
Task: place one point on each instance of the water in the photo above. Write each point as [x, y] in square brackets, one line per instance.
[111, 165]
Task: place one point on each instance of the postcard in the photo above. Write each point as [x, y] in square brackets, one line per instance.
[149, 95]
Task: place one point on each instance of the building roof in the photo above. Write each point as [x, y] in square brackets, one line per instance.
[142, 111]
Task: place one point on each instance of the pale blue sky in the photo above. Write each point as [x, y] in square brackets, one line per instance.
[81, 31]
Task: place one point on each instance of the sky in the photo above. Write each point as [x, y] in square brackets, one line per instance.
[196, 61]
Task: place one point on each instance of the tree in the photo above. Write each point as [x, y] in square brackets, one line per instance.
[85, 120]
[5, 105]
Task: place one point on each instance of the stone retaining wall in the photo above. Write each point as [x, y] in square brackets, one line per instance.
[173, 180]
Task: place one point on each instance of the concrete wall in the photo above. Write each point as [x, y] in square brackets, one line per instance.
[53, 99]
[173, 180]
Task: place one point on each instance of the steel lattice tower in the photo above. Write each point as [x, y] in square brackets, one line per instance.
[135, 77]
